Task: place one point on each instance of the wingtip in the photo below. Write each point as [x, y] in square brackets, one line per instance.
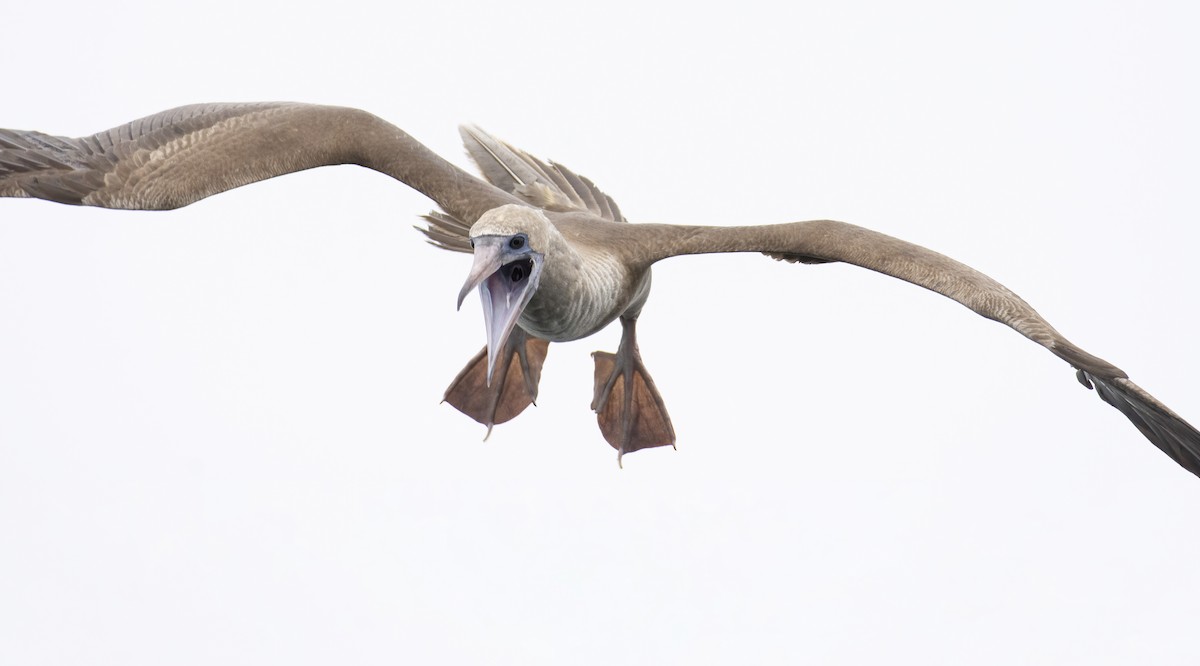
[1164, 428]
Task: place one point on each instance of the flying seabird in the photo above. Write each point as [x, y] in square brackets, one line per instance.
[554, 257]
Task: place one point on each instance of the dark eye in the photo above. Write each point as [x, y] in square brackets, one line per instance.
[517, 242]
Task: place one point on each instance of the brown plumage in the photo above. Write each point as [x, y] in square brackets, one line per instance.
[555, 258]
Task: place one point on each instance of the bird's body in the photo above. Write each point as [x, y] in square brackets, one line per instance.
[586, 287]
[555, 259]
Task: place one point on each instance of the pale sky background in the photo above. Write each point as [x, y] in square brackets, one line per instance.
[220, 437]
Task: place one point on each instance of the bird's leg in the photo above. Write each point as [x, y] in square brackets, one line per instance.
[627, 404]
[514, 384]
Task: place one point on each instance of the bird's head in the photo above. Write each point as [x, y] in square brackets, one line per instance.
[510, 244]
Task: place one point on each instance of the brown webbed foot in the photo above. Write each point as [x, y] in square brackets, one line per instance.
[627, 404]
[514, 385]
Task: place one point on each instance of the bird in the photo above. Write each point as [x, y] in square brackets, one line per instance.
[555, 259]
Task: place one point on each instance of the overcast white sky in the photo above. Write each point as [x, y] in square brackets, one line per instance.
[220, 437]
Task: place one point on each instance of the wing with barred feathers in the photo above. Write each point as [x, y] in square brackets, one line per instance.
[182, 155]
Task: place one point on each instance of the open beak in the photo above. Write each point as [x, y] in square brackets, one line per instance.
[506, 282]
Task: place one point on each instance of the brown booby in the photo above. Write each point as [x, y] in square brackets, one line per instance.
[554, 258]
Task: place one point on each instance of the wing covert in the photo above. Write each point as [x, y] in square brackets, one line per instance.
[182, 155]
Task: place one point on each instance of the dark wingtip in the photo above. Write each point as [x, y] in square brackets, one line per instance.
[1165, 429]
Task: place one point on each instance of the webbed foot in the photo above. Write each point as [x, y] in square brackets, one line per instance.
[628, 406]
[514, 385]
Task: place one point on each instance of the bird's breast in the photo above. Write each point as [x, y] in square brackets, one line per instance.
[575, 301]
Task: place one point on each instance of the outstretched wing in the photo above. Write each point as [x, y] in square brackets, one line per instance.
[825, 241]
[176, 157]
[546, 185]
